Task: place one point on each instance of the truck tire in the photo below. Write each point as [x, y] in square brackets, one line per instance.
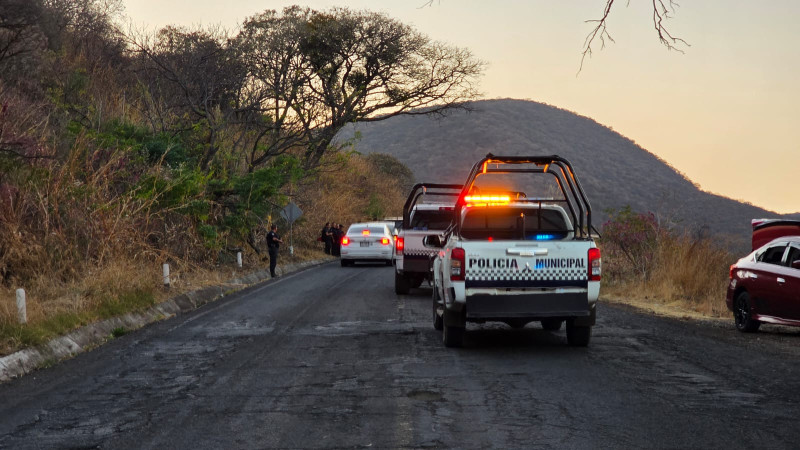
[578, 336]
[452, 335]
[416, 281]
[401, 284]
[438, 320]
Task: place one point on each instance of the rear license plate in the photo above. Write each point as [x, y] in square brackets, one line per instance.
[365, 244]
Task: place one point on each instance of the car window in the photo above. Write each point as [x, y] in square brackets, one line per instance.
[514, 223]
[431, 219]
[794, 255]
[772, 254]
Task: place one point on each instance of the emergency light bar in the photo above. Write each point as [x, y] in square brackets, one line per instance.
[487, 200]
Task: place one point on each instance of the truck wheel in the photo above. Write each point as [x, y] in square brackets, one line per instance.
[452, 336]
[437, 319]
[416, 281]
[742, 315]
[551, 324]
[578, 336]
[401, 284]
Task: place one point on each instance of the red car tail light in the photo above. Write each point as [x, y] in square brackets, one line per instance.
[345, 240]
[385, 241]
[594, 264]
[457, 264]
[732, 270]
[398, 245]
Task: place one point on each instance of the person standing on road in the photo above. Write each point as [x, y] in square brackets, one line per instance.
[339, 235]
[325, 238]
[273, 243]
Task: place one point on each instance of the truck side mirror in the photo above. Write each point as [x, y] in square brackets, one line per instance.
[432, 240]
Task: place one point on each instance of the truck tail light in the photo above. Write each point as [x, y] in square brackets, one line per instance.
[345, 240]
[594, 264]
[732, 270]
[457, 264]
[398, 246]
[385, 241]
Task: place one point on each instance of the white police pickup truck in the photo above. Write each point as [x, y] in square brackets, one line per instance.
[421, 217]
[515, 259]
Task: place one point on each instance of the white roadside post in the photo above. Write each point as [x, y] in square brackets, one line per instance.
[165, 272]
[239, 259]
[22, 311]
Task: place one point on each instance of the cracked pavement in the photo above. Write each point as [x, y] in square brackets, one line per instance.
[331, 357]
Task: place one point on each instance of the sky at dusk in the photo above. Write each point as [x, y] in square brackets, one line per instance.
[726, 112]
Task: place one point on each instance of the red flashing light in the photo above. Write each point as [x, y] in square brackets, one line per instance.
[594, 264]
[457, 263]
[365, 232]
[398, 245]
[345, 240]
[385, 241]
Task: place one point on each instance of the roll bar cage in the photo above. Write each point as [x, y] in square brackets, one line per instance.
[421, 189]
[574, 196]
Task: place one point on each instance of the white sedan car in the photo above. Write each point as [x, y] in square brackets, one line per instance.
[367, 242]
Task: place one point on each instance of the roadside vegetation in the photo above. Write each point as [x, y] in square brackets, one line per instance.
[651, 264]
[123, 150]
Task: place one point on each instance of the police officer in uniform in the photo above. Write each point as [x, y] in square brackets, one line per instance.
[324, 235]
[273, 242]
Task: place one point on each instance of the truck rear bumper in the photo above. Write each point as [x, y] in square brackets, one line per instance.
[541, 306]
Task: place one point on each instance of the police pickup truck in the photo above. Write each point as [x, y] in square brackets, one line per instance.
[421, 217]
[516, 259]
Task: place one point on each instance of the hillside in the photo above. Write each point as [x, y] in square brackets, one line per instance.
[614, 170]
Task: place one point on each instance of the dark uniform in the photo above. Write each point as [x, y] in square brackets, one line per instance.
[273, 242]
[326, 238]
[338, 233]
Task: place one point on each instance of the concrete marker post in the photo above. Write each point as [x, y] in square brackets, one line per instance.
[165, 272]
[22, 309]
[239, 259]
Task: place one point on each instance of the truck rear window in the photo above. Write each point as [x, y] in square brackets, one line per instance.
[514, 224]
[431, 220]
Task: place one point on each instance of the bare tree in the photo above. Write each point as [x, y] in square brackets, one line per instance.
[662, 11]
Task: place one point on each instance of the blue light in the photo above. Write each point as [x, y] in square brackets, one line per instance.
[544, 237]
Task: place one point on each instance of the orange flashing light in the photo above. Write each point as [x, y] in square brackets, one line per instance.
[487, 200]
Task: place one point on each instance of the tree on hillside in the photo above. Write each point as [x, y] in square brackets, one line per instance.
[350, 66]
[194, 80]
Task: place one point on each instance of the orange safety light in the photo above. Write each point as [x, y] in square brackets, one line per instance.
[487, 200]
[365, 232]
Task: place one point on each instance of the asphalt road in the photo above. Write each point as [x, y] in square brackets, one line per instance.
[331, 357]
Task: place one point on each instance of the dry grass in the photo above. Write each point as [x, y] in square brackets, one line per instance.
[689, 277]
[115, 270]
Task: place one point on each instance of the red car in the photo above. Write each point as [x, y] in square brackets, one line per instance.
[764, 286]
